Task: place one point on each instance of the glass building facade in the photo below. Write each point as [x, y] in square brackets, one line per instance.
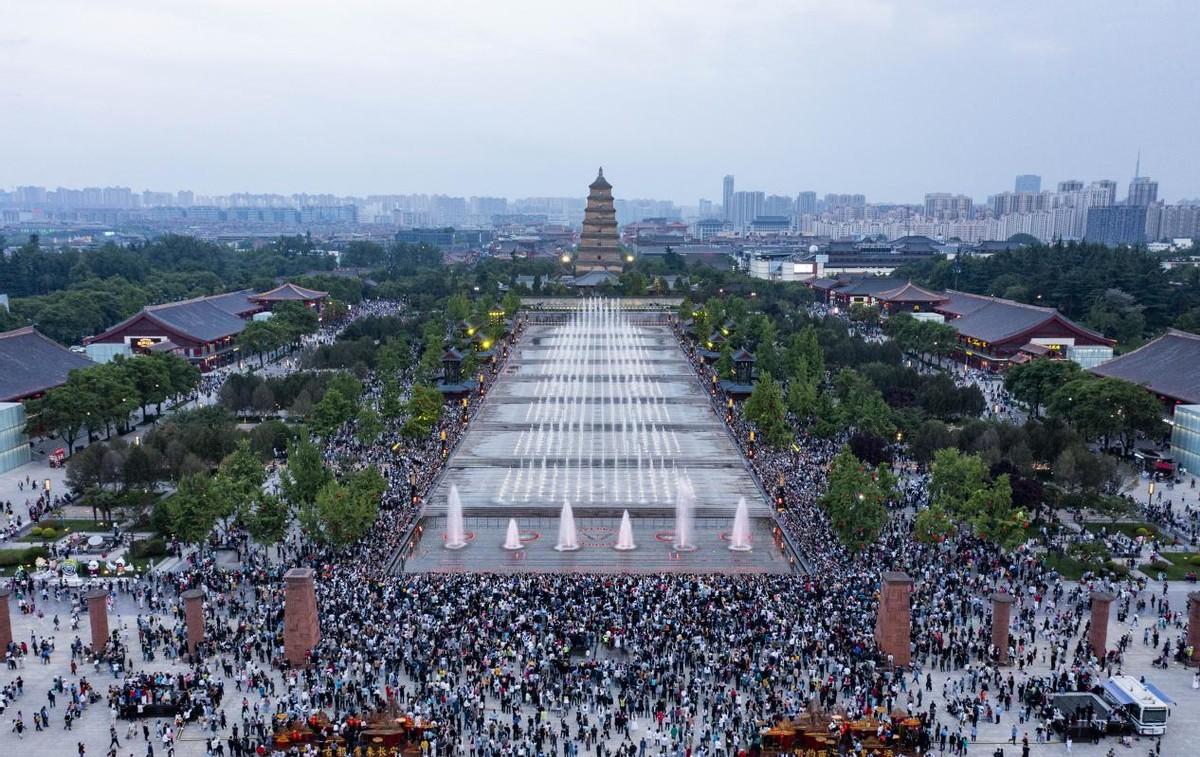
[14, 445]
[1185, 438]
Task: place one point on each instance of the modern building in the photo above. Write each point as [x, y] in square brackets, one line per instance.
[1143, 191]
[1028, 182]
[806, 203]
[1070, 185]
[1116, 225]
[14, 442]
[599, 247]
[745, 207]
[943, 206]
[727, 197]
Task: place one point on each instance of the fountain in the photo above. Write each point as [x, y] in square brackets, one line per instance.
[568, 538]
[685, 502]
[625, 534]
[512, 539]
[739, 541]
[456, 537]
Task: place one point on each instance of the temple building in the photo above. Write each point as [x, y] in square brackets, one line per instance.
[599, 246]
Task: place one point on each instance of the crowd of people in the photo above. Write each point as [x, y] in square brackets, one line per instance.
[488, 665]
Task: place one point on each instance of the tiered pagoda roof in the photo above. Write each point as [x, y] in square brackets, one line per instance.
[599, 247]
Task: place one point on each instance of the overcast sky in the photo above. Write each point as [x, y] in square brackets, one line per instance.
[892, 98]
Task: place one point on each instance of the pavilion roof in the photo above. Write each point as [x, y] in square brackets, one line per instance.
[1169, 365]
[32, 363]
[289, 292]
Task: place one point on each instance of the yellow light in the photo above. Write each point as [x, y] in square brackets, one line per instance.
[566, 258]
[487, 344]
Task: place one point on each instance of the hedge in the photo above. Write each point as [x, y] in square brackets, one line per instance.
[10, 557]
[147, 548]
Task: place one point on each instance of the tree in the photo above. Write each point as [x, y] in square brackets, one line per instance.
[802, 397]
[331, 412]
[263, 399]
[993, 517]
[368, 425]
[930, 436]
[63, 412]
[343, 512]
[766, 410]
[933, 524]
[1119, 315]
[424, 411]
[244, 477]
[269, 520]
[804, 357]
[261, 337]
[956, 477]
[1036, 381]
[1101, 408]
[152, 379]
[292, 321]
[304, 475]
[390, 404]
[724, 364]
[194, 508]
[855, 499]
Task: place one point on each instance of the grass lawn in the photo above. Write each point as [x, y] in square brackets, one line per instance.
[1129, 529]
[1070, 568]
[1182, 563]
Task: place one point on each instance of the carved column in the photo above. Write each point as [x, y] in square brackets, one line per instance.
[893, 624]
[301, 627]
[97, 604]
[1194, 626]
[193, 615]
[1098, 635]
[1002, 603]
[6, 636]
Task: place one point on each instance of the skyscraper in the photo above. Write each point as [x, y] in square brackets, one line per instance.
[599, 248]
[1070, 185]
[1028, 182]
[727, 197]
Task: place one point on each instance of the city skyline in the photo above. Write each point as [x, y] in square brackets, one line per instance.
[884, 98]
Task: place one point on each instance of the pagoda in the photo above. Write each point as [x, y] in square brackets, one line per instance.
[599, 249]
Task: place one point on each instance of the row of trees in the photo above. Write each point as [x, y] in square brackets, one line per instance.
[1123, 292]
[1101, 409]
[289, 323]
[102, 398]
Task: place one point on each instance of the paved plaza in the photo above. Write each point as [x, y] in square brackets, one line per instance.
[604, 413]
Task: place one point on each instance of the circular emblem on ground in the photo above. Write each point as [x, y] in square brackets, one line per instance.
[597, 536]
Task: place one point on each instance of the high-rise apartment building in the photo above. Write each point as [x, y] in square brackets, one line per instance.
[806, 203]
[943, 206]
[1070, 185]
[744, 207]
[1028, 182]
[727, 197]
[1116, 225]
[777, 205]
[1142, 191]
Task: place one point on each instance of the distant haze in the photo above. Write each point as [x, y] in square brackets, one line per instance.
[891, 98]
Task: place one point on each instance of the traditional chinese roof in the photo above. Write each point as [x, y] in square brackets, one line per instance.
[910, 292]
[743, 356]
[31, 363]
[452, 355]
[1169, 366]
[991, 319]
[600, 182]
[203, 319]
[290, 292]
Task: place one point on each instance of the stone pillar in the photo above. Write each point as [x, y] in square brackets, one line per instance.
[893, 624]
[301, 628]
[1194, 626]
[193, 615]
[1098, 635]
[5, 621]
[97, 604]
[1002, 603]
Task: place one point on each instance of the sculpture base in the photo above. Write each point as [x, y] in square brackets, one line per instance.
[625, 547]
[461, 545]
[566, 547]
[739, 547]
[684, 547]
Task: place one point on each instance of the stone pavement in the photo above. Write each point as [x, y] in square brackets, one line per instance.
[92, 728]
